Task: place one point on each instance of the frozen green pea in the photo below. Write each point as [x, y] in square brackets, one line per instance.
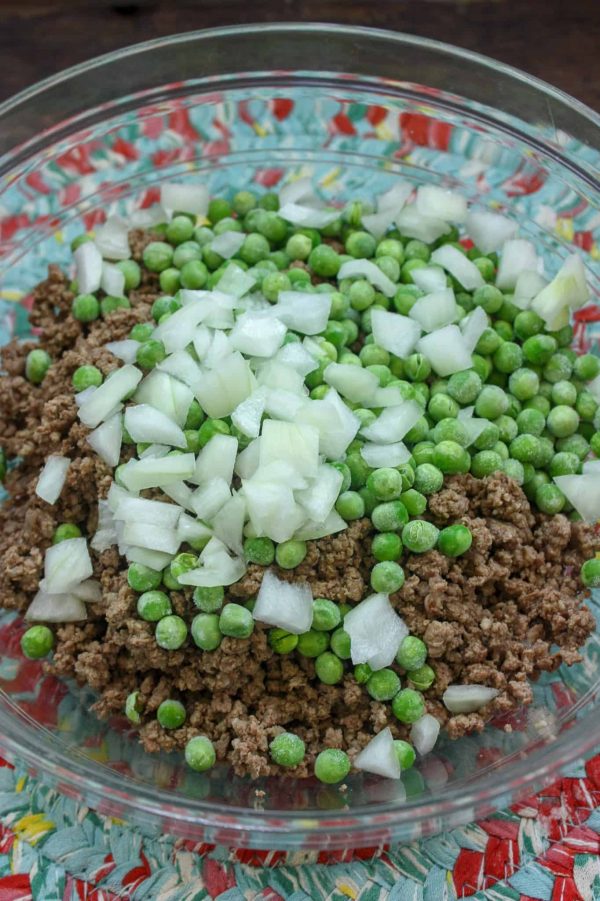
[464, 387]
[350, 505]
[389, 516]
[423, 678]
[171, 632]
[329, 668]
[86, 376]
[157, 256]
[205, 631]
[340, 644]
[287, 749]
[412, 653]
[488, 437]
[332, 766]
[37, 642]
[454, 541]
[171, 714]
[408, 705]
[562, 421]
[485, 462]
[200, 753]
[326, 615]
[419, 536]
[383, 685]
[282, 642]
[428, 478]
[313, 643]
[386, 546]
[586, 367]
[514, 470]
[387, 577]
[65, 531]
[558, 368]
[530, 422]
[290, 554]
[523, 383]
[508, 357]
[549, 499]
[153, 606]
[491, 403]
[236, 621]
[450, 457]
[133, 708]
[590, 573]
[441, 406]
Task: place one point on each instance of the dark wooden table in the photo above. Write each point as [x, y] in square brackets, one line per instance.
[553, 39]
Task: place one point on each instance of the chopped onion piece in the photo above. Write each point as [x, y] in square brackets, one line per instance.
[156, 560]
[473, 327]
[354, 382]
[446, 350]
[155, 450]
[424, 734]
[82, 396]
[490, 231]
[429, 278]
[395, 333]
[112, 240]
[369, 270]
[413, 224]
[467, 698]
[441, 203]
[88, 268]
[175, 332]
[66, 565]
[207, 500]
[113, 281]
[296, 444]
[390, 396]
[156, 472]
[375, 631]
[217, 567]
[336, 423]
[459, 266]
[106, 440]
[378, 223]
[180, 493]
[155, 538]
[227, 244]
[216, 460]
[153, 513]
[378, 455]
[52, 478]
[568, 290]
[258, 334]
[146, 424]
[433, 311]
[181, 365]
[395, 197]
[247, 416]
[279, 377]
[272, 509]
[286, 605]
[123, 350]
[311, 530]
[299, 189]
[106, 534]
[529, 284]
[56, 608]
[226, 386]
[218, 350]
[393, 423]
[89, 591]
[591, 466]
[281, 404]
[379, 756]
[247, 461]
[302, 312]
[114, 389]
[148, 217]
[184, 198]
[517, 256]
[281, 472]
[236, 281]
[583, 491]
[228, 524]
[318, 500]
[190, 529]
[297, 357]
[116, 495]
[306, 216]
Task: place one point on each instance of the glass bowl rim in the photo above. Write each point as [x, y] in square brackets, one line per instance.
[135, 798]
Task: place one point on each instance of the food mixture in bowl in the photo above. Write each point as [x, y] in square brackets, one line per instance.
[293, 487]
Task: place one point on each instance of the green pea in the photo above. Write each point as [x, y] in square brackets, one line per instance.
[423, 678]
[326, 615]
[205, 631]
[86, 377]
[287, 750]
[350, 504]
[454, 541]
[450, 457]
[65, 531]
[387, 577]
[171, 632]
[549, 499]
[408, 705]
[236, 621]
[200, 753]
[590, 573]
[340, 644]
[419, 536]
[329, 668]
[428, 479]
[383, 685]
[412, 653]
[157, 256]
[313, 643]
[37, 642]
[282, 642]
[171, 714]
[332, 766]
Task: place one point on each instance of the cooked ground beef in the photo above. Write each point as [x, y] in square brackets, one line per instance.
[507, 610]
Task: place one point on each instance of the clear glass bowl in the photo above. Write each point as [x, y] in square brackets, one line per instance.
[253, 107]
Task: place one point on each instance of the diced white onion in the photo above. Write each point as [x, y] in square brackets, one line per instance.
[312, 530]
[281, 472]
[155, 450]
[281, 404]
[228, 524]
[156, 472]
[82, 396]
[181, 365]
[66, 564]
[529, 284]
[280, 377]
[568, 290]
[247, 416]
[379, 756]
[112, 240]
[89, 591]
[297, 190]
[297, 357]
[393, 423]
[354, 382]
[153, 513]
[306, 216]
[56, 608]
[167, 394]
[293, 443]
[378, 223]
[518, 255]
[175, 333]
[390, 396]
[146, 424]
[489, 231]
[395, 197]
[216, 460]
[123, 350]
[88, 268]
[148, 217]
[190, 529]
[375, 631]
[433, 311]
[319, 498]
[591, 466]
[52, 478]
[180, 493]
[302, 312]
[424, 734]
[155, 538]
[459, 266]
[473, 327]
[583, 491]
[226, 386]
[217, 567]
[272, 509]
[247, 461]
[378, 455]
[369, 270]
[106, 440]
[395, 333]
[227, 244]
[429, 278]
[106, 397]
[236, 281]
[432, 200]
[184, 198]
[285, 605]
[336, 423]
[106, 534]
[446, 350]
[218, 350]
[113, 280]
[467, 698]
[207, 500]
[258, 334]
[413, 224]
[156, 560]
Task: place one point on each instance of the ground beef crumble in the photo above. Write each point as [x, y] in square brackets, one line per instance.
[509, 609]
